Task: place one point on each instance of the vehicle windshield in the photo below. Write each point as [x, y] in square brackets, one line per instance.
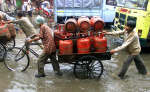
[78, 3]
[136, 4]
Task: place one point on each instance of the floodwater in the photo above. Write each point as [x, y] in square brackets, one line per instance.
[26, 82]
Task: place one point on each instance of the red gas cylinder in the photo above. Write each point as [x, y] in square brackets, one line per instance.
[61, 27]
[60, 31]
[71, 25]
[4, 32]
[83, 45]
[84, 23]
[59, 34]
[97, 23]
[100, 44]
[65, 46]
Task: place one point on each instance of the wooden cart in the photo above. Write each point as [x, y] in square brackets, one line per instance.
[86, 65]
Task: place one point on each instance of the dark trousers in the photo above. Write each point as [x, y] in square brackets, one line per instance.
[138, 62]
[43, 59]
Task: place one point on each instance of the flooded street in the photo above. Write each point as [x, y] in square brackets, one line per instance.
[26, 82]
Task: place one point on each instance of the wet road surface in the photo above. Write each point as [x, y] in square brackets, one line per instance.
[26, 82]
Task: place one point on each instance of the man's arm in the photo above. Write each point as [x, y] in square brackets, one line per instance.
[124, 45]
[34, 39]
[114, 33]
[10, 18]
[15, 21]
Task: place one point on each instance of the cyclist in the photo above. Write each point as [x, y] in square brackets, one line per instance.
[49, 50]
[25, 24]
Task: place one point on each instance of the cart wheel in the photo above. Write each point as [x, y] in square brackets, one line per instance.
[88, 67]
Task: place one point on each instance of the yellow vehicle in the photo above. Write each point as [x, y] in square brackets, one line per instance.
[138, 11]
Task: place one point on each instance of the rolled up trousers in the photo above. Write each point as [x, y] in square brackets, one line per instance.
[43, 60]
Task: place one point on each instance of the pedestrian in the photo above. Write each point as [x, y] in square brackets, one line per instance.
[5, 7]
[24, 8]
[37, 2]
[29, 9]
[132, 45]
[49, 50]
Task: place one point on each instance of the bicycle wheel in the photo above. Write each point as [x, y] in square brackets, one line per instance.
[2, 52]
[16, 59]
[11, 44]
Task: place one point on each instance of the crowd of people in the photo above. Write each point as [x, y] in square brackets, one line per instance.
[29, 8]
[26, 6]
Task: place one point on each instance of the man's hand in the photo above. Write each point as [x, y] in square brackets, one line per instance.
[104, 32]
[29, 40]
[34, 35]
[41, 46]
[113, 51]
[8, 22]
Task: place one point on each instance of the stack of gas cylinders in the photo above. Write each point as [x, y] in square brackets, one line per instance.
[7, 32]
[81, 36]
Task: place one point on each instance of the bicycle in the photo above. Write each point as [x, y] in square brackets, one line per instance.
[17, 59]
[11, 44]
[2, 52]
[4, 46]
